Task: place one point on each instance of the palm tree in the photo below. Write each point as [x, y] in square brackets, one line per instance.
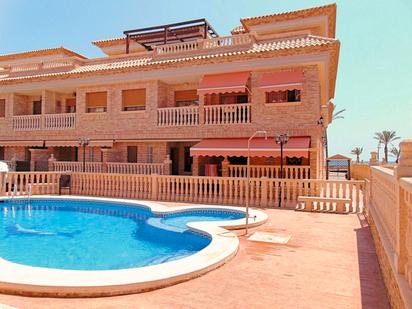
[335, 115]
[385, 138]
[395, 153]
[357, 151]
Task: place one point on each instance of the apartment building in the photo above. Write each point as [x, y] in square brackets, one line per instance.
[177, 99]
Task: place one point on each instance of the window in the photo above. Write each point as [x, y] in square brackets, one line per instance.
[132, 154]
[149, 154]
[134, 99]
[294, 161]
[283, 96]
[188, 160]
[235, 98]
[71, 105]
[186, 98]
[36, 107]
[2, 108]
[96, 102]
[1, 153]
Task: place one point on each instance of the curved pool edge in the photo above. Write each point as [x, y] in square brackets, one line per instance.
[38, 281]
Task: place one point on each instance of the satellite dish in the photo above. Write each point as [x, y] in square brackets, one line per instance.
[3, 167]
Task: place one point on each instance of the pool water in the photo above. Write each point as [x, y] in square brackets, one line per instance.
[97, 235]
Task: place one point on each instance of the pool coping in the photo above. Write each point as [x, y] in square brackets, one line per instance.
[39, 281]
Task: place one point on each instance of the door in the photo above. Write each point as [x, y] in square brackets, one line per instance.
[174, 156]
[36, 107]
[132, 154]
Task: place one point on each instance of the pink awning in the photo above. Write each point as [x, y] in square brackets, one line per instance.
[281, 81]
[101, 143]
[297, 146]
[222, 83]
[62, 143]
[21, 143]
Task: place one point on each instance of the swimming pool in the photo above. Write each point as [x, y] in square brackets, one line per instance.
[97, 235]
[77, 246]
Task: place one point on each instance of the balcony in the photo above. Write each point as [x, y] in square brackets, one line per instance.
[178, 116]
[44, 122]
[59, 121]
[27, 123]
[227, 114]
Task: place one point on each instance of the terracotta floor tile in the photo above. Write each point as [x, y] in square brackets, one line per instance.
[329, 262]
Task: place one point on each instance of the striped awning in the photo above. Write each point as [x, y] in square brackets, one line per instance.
[223, 83]
[297, 146]
[281, 81]
[29, 143]
[71, 143]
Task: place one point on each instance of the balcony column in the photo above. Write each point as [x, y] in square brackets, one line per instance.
[195, 166]
[51, 161]
[404, 217]
[313, 162]
[167, 166]
[373, 159]
[201, 109]
[225, 167]
[13, 163]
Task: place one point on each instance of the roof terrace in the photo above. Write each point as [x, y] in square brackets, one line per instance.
[186, 31]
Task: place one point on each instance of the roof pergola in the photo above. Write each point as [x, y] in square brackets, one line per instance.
[170, 33]
[342, 162]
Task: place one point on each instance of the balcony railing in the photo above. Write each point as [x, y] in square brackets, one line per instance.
[59, 121]
[207, 44]
[44, 122]
[225, 41]
[48, 65]
[270, 171]
[74, 166]
[228, 114]
[109, 167]
[135, 168]
[178, 116]
[27, 122]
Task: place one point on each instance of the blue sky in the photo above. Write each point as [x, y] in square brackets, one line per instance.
[375, 69]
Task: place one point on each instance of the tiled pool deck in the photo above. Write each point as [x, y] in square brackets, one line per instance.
[330, 262]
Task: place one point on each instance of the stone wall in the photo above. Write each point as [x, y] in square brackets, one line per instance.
[391, 284]
[388, 200]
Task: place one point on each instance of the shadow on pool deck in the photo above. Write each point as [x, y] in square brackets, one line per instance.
[330, 262]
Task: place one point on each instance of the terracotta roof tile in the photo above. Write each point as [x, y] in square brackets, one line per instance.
[109, 42]
[41, 52]
[329, 10]
[238, 30]
[133, 62]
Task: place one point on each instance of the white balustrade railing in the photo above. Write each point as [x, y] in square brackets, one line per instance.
[270, 171]
[216, 190]
[59, 121]
[25, 67]
[178, 116]
[224, 41]
[27, 122]
[206, 44]
[74, 166]
[228, 114]
[41, 65]
[177, 48]
[24, 183]
[135, 168]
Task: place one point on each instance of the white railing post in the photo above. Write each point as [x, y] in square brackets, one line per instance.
[227, 114]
